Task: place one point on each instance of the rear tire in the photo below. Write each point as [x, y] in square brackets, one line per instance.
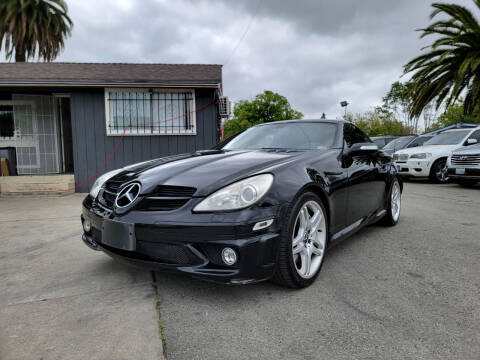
[303, 243]
[438, 172]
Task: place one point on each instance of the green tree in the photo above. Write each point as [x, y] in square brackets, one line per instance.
[398, 100]
[451, 67]
[31, 27]
[265, 107]
[379, 121]
[454, 114]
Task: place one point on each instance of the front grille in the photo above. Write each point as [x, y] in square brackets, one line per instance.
[165, 253]
[151, 233]
[173, 191]
[110, 191]
[159, 252]
[113, 186]
[107, 199]
[161, 204]
[162, 198]
[473, 159]
[166, 198]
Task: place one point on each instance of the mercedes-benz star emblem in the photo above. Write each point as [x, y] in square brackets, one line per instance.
[127, 195]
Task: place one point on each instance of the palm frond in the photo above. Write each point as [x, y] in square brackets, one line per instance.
[449, 68]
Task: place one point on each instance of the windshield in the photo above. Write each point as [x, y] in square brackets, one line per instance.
[448, 138]
[379, 142]
[419, 141]
[297, 136]
[399, 143]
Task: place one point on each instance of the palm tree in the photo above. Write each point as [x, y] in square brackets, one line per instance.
[451, 68]
[31, 27]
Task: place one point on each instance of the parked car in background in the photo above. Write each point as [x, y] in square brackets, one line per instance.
[430, 159]
[405, 142]
[463, 166]
[398, 144]
[381, 141]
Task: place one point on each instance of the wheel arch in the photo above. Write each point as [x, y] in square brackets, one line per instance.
[322, 194]
[436, 161]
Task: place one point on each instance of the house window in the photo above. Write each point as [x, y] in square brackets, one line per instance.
[147, 112]
[7, 125]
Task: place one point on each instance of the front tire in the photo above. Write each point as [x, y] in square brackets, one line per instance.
[303, 243]
[394, 204]
[438, 173]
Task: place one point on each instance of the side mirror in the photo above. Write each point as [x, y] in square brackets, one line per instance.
[471, 141]
[362, 148]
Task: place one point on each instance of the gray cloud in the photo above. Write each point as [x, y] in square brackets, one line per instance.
[315, 52]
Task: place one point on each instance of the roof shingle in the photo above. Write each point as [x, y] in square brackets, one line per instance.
[109, 74]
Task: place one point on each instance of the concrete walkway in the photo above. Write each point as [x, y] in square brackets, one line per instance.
[61, 300]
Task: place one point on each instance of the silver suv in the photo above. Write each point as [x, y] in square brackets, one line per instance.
[463, 165]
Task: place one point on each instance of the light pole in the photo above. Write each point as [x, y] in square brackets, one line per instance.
[344, 104]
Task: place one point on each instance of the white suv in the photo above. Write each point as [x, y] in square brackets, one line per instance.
[430, 159]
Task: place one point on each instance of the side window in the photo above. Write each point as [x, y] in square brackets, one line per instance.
[353, 135]
[475, 135]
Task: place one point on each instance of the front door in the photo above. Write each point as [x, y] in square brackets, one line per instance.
[366, 176]
[36, 135]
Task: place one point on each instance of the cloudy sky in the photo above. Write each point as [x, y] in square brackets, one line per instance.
[315, 52]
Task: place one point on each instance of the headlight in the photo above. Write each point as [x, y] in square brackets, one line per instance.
[238, 195]
[101, 180]
[421, 156]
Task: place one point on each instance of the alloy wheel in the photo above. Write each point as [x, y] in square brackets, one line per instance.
[309, 239]
[441, 172]
[396, 201]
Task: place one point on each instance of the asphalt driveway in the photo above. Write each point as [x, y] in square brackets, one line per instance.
[408, 292]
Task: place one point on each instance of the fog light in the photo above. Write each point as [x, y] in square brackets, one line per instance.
[87, 226]
[229, 256]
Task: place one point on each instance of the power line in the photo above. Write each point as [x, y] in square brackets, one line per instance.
[245, 32]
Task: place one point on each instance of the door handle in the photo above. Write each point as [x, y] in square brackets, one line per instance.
[333, 173]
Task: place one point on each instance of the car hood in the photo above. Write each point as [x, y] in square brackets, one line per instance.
[206, 171]
[468, 150]
[433, 149]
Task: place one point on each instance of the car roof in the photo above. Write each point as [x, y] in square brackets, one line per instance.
[387, 136]
[463, 129]
[335, 121]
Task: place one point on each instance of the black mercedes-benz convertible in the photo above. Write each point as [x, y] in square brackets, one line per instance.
[265, 204]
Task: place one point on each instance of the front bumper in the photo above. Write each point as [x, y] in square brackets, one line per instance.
[464, 173]
[192, 246]
[415, 167]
